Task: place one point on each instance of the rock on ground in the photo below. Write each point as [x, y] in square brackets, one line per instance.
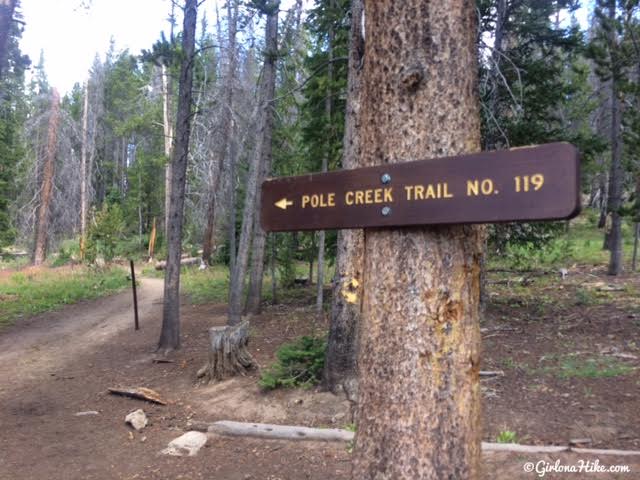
[186, 445]
[137, 419]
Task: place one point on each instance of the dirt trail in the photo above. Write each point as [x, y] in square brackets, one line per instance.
[45, 343]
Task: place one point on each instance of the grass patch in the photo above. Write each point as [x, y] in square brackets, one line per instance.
[598, 367]
[206, 286]
[26, 294]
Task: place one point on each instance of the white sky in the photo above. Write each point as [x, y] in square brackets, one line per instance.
[71, 35]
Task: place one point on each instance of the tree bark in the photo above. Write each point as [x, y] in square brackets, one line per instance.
[7, 8]
[267, 85]
[42, 221]
[170, 333]
[419, 352]
[614, 203]
[339, 375]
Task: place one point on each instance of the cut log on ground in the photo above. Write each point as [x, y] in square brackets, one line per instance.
[184, 262]
[280, 432]
[228, 353]
[295, 433]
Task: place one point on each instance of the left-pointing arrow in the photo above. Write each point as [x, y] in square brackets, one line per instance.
[283, 203]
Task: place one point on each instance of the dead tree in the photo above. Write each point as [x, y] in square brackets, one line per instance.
[340, 374]
[419, 345]
[44, 209]
[226, 120]
[170, 333]
[234, 337]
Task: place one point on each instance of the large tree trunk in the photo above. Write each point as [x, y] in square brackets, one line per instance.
[6, 16]
[225, 132]
[340, 374]
[614, 203]
[170, 333]
[254, 298]
[42, 220]
[419, 346]
[267, 85]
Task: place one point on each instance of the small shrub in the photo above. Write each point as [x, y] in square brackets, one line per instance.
[104, 233]
[507, 436]
[299, 364]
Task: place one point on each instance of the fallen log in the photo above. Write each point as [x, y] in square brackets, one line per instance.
[139, 393]
[288, 432]
[280, 432]
[184, 262]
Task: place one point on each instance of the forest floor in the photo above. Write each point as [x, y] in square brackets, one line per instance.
[569, 349]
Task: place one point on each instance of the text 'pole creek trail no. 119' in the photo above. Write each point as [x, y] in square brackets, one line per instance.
[523, 184]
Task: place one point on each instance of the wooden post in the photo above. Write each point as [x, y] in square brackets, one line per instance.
[419, 349]
[135, 295]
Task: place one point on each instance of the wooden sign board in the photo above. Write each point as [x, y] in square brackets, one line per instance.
[522, 184]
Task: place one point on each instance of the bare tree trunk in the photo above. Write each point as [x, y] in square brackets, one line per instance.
[340, 360]
[267, 89]
[274, 290]
[7, 8]
[83, 171]
[419, 351]
[254, 298]
[168, 143]
[42, 223]
[614, 202]
[170, 333]
[634, 258]
[233, 157]
[602, 185]
[226, 130]
[328, 107]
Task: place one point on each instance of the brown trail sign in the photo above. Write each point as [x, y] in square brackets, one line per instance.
[522, 184]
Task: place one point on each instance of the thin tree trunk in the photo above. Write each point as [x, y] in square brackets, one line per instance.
[419, 352]
[615, 177]
[254, 298]
[170, 333]
[274, 290]
[602, 185]
[328, 107]
[42, 221]
[168, 143]
[233, 157]
[83, 171]
[339, 373]
[634, 259]
[267, 91]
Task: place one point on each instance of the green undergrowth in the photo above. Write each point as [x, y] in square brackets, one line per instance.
[299, 364]
[26, 294]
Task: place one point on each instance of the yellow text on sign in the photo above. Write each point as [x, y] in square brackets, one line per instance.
[427, 192]
[319, 200]
[369, 196]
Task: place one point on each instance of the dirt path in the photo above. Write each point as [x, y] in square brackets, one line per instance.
[58, 364]
[47, 342]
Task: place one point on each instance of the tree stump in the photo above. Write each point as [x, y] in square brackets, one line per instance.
[228, 354]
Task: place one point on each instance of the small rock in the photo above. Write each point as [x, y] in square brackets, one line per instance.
[137, 419]
[88, 412]
[186, 445]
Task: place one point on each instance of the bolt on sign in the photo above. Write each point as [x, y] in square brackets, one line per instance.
[521, 184]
